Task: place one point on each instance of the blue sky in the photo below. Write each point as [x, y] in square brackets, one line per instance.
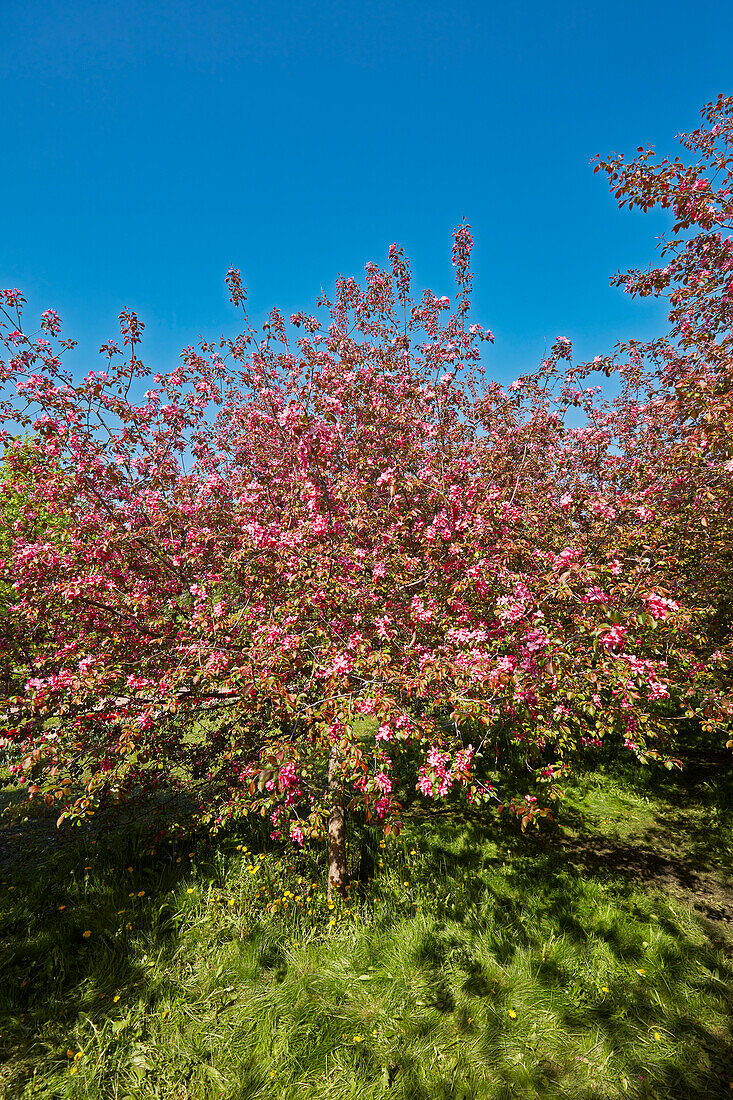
[148, 145]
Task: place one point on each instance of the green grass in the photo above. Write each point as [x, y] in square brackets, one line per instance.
[474, 964]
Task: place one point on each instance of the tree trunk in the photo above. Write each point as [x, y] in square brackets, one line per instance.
[336, 826]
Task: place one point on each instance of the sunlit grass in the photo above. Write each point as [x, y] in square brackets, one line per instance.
[473, 964]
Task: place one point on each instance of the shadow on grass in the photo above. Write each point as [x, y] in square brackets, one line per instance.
[606, 900]
[534, 921]
[83, 913]
[678, 836]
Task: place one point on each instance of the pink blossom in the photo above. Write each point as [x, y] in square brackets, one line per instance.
[464, 759]
[614, 638]
[383, 782]
[565, 557]
[659, 606]
[340, 666]
[535, 641]
[286, 776]
[602, 509]
[436, 758]
[382, 623]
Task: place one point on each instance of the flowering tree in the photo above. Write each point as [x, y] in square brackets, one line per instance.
[683, 457]
[309, 553]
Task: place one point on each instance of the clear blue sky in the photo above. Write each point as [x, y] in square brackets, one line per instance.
[148, 145]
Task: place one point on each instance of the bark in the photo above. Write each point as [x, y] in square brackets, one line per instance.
[337, 877]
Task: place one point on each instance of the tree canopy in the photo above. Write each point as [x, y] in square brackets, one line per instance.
[314, 563]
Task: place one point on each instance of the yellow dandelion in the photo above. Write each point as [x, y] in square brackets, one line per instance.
[130, 869]
[512, 1014]
[116, 997]
[657, 1036]
[86, 934]
[642, 972]
[231, 901]
[70, 1053]
[140, 893]
[73, 1069]
[190, 890]
[358, 1038]
[131, 894]
[61, 907]
[604, 989]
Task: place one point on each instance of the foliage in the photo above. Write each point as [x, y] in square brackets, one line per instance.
[298, 560]
[19, 645]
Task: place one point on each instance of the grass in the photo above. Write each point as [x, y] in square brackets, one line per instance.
[584, 963]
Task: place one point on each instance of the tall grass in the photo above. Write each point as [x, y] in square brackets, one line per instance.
[474, 964]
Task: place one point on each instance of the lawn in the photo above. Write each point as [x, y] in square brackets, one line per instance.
[591, 960]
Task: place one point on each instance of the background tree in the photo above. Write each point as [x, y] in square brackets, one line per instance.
[682, 458]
